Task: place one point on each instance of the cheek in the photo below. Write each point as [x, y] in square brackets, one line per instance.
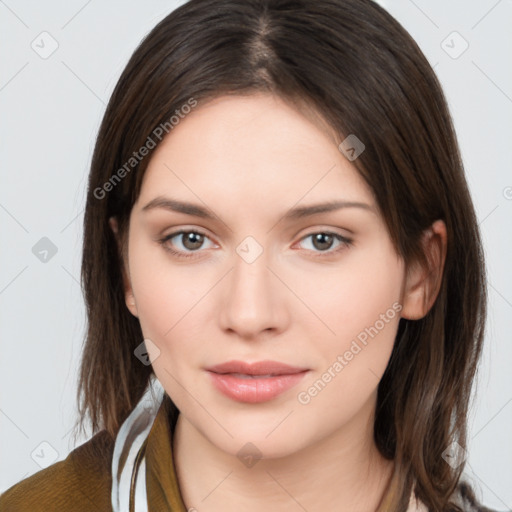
[167, 308]
[358, 306]
[353, 363]
[165, 292]
[347, 298]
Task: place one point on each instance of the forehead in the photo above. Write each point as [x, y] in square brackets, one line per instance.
[257, 150]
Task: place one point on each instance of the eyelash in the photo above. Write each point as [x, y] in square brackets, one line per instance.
[345, 242]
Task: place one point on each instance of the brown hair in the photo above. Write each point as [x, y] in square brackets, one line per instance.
[359, 69]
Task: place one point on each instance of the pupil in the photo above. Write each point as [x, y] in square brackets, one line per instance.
[322, 241]
[193, 240]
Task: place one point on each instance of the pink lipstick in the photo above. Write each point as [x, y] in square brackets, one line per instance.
[256, 382]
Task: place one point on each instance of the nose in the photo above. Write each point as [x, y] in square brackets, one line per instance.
[254, 300]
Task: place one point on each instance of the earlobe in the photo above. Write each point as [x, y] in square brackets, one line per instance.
[128, 293]
[422, 284]
[130, 302]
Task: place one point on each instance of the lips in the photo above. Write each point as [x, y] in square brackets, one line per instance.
[257, 382]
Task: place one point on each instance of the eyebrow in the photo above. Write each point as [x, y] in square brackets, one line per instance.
[296, 213]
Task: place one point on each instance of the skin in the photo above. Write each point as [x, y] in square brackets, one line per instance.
[249, 160]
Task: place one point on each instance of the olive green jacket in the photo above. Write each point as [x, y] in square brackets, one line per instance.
[83, 481]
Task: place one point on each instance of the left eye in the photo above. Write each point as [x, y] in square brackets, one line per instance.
[323, 241]
[191, 241]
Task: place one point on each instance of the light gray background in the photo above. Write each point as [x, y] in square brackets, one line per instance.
[50, 111]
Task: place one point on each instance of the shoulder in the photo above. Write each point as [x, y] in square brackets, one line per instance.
[464, 496]
[81, 482]
[463, 499]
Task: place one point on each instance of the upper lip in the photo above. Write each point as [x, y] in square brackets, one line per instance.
[258, 368]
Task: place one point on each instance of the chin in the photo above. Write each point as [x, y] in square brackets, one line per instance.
[251, 441]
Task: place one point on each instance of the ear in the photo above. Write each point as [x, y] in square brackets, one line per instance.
[422, 284]
[128, 292]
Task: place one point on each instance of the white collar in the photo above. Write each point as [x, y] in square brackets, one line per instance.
[129, 440]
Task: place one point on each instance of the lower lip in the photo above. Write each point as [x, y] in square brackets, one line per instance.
[254, 390]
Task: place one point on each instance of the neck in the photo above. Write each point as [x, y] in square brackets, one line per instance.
[342, 472]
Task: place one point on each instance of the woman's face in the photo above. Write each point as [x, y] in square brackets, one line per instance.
[261, 278]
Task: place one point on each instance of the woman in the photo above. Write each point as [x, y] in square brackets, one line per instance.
[283, 273]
